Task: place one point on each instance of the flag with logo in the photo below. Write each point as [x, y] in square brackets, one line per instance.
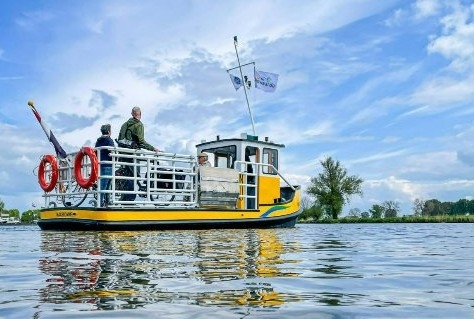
[236, 81]
[266, 81]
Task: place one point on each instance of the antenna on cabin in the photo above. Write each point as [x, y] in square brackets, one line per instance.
[247, 83]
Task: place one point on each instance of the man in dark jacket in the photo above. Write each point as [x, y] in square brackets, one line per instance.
[133, 131]
[104, 155]
[132, 134]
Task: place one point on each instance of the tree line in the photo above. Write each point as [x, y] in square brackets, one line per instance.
[26, 217]
[333, 188]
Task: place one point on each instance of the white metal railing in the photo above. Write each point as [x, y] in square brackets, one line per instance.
[151, 179]
[156, 178]
[250, 181]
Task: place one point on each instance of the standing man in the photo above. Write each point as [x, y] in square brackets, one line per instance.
[132, 133]
[104, 155]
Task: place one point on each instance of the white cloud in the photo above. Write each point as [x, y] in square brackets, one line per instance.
[402, 189]
[31, 19]
[426, 8]
[396, 19]
[378, 157]
[457, 41]
[449, 92]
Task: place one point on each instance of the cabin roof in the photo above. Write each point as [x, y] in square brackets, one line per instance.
[249, 140]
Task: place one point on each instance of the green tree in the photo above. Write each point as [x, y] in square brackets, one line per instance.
[311, 209]
[333, 187]
[29, 216]
[446, 208]
[461, 207]
[314, 212]
[434, 207]
[354, 213]
[306, 202]
[418, 205]
[390, 208]
[470, 207]
[376, 211]
[14, 213]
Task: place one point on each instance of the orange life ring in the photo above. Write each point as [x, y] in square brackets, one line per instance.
[45, 185]
[86, 183]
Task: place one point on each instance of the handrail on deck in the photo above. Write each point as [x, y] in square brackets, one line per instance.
[260, 168]
[148, 168]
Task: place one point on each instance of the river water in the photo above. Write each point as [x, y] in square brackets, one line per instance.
[310, 271]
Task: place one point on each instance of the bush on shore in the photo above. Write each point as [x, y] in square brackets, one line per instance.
[403, 219]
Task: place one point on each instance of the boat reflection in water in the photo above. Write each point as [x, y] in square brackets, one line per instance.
[127, 270]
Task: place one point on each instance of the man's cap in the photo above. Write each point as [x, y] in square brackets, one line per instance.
[105, 128]
[202, 155]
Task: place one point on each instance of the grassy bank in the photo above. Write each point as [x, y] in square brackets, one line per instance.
[403, 219]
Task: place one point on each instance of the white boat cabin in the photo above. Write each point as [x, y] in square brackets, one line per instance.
[257, 163]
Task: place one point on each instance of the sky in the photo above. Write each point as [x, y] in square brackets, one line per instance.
[384, 87]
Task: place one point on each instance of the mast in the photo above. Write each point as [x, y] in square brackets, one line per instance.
[245, 84]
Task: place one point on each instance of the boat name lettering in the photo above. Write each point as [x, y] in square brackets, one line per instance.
[65, 214]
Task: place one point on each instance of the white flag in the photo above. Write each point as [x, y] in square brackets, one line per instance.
[236, 81]
[266, 81]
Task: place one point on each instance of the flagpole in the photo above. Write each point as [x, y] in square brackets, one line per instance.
[245, 84]
[241, 65]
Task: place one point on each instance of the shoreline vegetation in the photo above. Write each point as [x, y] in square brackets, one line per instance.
[352, 220]
[403, 219]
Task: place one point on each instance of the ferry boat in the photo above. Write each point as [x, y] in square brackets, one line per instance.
[243, 188]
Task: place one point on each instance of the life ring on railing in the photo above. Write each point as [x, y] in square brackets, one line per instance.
[45, 185]
[86, 183]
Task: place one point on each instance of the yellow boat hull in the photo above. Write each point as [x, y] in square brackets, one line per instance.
[282, 214]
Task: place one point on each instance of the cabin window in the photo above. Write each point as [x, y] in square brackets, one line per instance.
[251, 155]
[222, 156]
[270, 157]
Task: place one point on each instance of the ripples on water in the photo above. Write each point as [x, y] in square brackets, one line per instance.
[311, 271]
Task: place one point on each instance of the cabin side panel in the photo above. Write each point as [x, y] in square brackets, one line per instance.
[269, 189]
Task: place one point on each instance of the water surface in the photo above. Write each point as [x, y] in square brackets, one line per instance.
[310, 271]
